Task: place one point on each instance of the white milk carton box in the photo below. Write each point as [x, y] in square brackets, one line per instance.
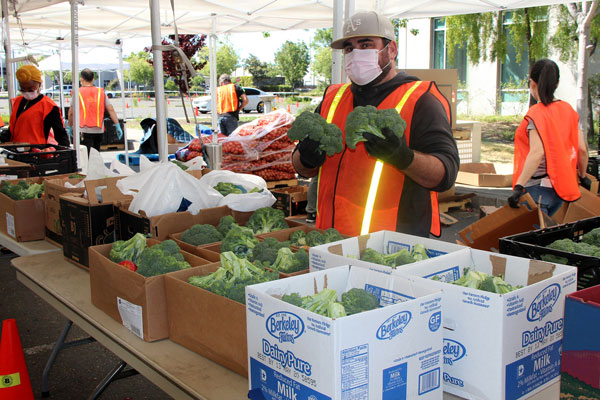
[348, 251]
[391, 353]
[500, 346]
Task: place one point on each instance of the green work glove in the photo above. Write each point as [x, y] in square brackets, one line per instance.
[119, 131]
[392, 150]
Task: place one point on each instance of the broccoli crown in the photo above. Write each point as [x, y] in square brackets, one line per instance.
[22, 190]
[358, 300]
[201, 234]
[302, 257]
[332, 235]
[128, 249]
[314, 126]
[563, 245]
[266, 251]
[319, 302]
[315, 238]
[298, 238]
[370, 119]
[232, 277]
[293, 298]
[160, 259]
[239, 240]
[482, 281]
[286, 261]
[399, 258]
[267, 219]
[592, 237]
[226, 188]
[370, 255]
[225, 224]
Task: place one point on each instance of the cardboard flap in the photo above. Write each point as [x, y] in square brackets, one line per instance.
[478, 168]
[498, 265]
[362, 243]
[109, 191]
[538, 271]
[336, 249]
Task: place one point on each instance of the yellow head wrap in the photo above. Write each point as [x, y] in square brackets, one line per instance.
[29, 73]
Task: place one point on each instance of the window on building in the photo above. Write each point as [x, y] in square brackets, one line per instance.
[440, 52]
[514, 74]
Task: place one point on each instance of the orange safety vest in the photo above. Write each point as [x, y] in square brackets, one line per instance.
[357, 193]
[227, 99]
[558, 126]
[29, 127]
[91, 110]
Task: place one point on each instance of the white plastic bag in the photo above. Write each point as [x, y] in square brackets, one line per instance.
[244, 201]
[160, 188]
[97, 169]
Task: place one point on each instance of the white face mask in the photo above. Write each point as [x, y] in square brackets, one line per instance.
[362, 66]
[31, 95]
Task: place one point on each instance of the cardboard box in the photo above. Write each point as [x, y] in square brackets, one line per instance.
[484, 233]
[137, 302]
[291, 200]
[580, 377]
[89, 221]
[500, 347]
[482, 174]
[393, 352]
[160, 226]
[586, 207]
[53, 189]
[23, 220]
[348, 251]
[211, 325]
[14, 169]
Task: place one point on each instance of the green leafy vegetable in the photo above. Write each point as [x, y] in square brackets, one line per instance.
[225, 224]
[240, 240]
[370, 119]
[131, 249]
[201, 234]
[267, 219]
[226, 188]
[482, 281]
[160, 259]
[358, 300]
[311, 125]
[23, 190]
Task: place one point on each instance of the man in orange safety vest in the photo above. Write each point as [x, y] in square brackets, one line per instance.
[231, 99]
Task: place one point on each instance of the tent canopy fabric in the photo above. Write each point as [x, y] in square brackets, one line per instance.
[85, 61]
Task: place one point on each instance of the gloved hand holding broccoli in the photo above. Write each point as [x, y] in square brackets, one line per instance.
[317, 137]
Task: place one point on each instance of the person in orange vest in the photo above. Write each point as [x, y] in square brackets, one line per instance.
[551, 154]
[35, 118]
[415, 167]
[230, 100]
[93, 101]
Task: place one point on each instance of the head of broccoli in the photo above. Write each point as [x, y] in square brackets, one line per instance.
[160, 259]
[332, 235]
[298, 238]
[286, 261]
[358, 300]
[315, 238]
[314, 126]
[225, 224]
[368, 119]
[226, 188]
[240, 240]
[128, 249]
[23, 190]
[267, 219]
[201, 234]
[266, 251]
[373, 256]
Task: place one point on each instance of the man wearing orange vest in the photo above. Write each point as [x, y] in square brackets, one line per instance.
[93, 101]
[230, 100]
[383, 184]
[35, 118]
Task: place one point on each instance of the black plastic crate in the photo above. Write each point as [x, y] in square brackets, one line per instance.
[592, 167]
[62, 160]
[110, 134]
[532, 245]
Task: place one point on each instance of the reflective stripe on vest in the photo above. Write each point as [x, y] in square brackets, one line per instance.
[83, 121]
[227, 100]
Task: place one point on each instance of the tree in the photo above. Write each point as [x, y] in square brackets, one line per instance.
[576, 38]
[292, 60]
[258, 69]
[141, 71]
[227, 60]
[322, 59]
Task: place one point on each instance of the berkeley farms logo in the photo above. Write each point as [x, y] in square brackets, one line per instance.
[285, 326]
[453, 351]
[394, 325]
[543, 303]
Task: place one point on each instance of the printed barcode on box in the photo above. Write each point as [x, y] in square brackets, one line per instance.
[429, 381]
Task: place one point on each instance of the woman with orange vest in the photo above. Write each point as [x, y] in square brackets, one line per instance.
[550, 151]
[93, 101]
[35, 118]
[383, 184]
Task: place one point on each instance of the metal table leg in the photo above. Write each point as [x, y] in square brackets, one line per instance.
[60, 344]
[115, 374]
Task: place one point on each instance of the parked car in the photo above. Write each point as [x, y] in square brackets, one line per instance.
[54, 91]
[203, 105]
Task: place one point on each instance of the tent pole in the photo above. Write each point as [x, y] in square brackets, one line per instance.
[7, 54]
[159, 85]
[121, 83]
[75, 77]
[60, 82]
[336, 65]
[212, 59]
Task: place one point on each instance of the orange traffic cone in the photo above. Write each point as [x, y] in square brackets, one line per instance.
[14, 378]
[126, 105]
[196, 111]
[168, 101]
[297, 104]
[289, 109]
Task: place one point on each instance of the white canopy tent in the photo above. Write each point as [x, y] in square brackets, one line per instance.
[217, 17]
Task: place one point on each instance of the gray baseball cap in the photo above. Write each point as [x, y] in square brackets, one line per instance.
[365, 23]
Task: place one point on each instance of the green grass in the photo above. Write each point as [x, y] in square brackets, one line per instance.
[508, 119]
